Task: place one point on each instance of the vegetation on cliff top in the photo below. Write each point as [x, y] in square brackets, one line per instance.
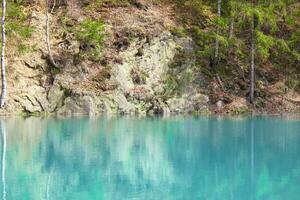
[244, 47]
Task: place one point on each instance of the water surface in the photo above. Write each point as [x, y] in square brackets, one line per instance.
[177, 158]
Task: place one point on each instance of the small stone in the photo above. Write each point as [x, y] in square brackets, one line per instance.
[220, 104]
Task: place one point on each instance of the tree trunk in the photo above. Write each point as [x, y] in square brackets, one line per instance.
[3, 68]
[252, 65]
[218, 32]
[52, 61]
[216, 59]
[231, 27]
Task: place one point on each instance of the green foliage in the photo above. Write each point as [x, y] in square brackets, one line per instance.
[178, 76]
[23, 49]
[15, 10]
[221, 22]
[277, 38]
[178, 32]
[224, 41]
[240, 111]
[293, 82]
[26, 48]
[172, 85]
[16, 21]
[264, 44]
[90, 34]
[17, 26]
[204, 40]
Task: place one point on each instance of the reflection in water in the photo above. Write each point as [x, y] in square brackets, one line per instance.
[152, 158]
[252, 156]
[48, 186]
[3, 158]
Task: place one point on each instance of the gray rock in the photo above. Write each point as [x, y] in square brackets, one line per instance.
[188, 103]
[220, 104]
[84, 105]
[139, 79]
[55, 97]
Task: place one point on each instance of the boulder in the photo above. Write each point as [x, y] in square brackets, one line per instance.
[194, 102]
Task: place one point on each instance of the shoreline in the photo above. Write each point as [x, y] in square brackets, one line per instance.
[142, 115]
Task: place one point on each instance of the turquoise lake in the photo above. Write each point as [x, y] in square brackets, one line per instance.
[175, 158]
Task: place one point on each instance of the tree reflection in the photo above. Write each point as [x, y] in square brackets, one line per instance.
[151, 158]
[3, 158]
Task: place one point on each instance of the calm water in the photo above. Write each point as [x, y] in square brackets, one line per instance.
[150, 159]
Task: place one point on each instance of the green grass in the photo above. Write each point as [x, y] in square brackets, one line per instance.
[179, 32]
[90, 34]
[17, 27]
[16, 21]
[26, 48]
[172, 85]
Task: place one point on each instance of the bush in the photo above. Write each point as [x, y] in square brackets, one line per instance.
[171, 85]
[178, 32]
[90, 34]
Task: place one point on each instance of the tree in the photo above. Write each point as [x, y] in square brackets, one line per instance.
[231, 18]
[51, 59]
[252, 53]
[216, 59]
[218, 32]
[3, 67]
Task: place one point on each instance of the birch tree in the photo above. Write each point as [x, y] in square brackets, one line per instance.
[252, 52]
[231, 27]
[51, 59]
[218, 32]
[216, 59]
[3, 67]
[232, 17]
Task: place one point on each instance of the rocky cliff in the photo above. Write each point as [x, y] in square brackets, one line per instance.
[146, 66]
[130, 77]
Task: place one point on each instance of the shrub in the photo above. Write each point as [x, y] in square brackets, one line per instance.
[178, 32]
[90, 34]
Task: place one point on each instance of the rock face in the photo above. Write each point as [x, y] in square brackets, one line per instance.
[152, 64]
[191, 102]
[134, 84]
[141, 75]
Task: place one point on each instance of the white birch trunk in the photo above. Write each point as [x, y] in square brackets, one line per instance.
[231, 27]
[3, 67]
[52, 61]
[218, 32]
[252, 64]
[216, 60]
